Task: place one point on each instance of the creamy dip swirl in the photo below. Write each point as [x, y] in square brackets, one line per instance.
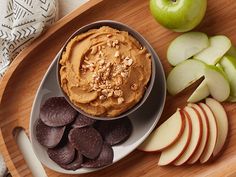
[104, 71]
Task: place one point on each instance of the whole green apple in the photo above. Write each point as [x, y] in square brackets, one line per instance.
[178, 15]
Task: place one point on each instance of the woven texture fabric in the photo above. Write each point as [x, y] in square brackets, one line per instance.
[21, 21]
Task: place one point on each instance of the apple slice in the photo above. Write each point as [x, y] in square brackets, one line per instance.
[166, 134]
[185, 46]
[232, 99]
[173, 152]
[184, 74]
[211, 142]
[217, 83]
[195, 136]
[232, 51]
[221, 122]
[229, 66]
[219, 45]
[201, 92]
[205, 132]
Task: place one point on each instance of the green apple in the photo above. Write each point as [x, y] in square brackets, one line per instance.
[217, 83]
[219, 45]
[178, 15]
[201, 92]
[218, 65]
[229, 65]
[185, 46]
[184, 74]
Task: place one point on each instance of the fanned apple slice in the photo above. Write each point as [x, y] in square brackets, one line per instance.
[201, 92]
[195, 136]
[219, 45]
[211, 142]
[229, 66]
[166, 134]
[185, 46]
[173, 152]
[205, 133]
[221, 122]
[217, 83]
[184, 74]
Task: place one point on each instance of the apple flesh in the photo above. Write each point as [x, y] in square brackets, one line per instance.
[229, 66]
[178, 15]
[219, 45]
[184, 74]
[185, 46]
[201, 92]
[171, 153]
[213, 133]
[196, 135]
[205, 133]
[217, 83]
[221, 122]
[162, 137]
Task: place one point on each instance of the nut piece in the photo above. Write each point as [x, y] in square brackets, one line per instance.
[117, 54]
[118, 93]
[102, 97]
[120, 100]
[94, 50]
[134, 87]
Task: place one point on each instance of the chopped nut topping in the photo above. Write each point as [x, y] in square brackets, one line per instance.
[118, 81]
[117, 47]
[109, 35]
[120, 100]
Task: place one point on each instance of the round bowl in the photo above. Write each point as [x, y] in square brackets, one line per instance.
[139, 38]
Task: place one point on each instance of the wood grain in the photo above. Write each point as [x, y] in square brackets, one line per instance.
[19, 85]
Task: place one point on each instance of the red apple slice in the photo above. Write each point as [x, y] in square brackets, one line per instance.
[211, 142]
[205, 132]
[166, 134]
[221, 122]
[195, 136]
[173, 152]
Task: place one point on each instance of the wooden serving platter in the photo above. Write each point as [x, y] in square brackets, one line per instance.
[18, 87]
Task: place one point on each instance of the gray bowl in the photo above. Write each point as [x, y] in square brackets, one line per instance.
[138, 37]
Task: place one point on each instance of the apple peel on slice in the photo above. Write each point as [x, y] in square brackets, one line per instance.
[166, 134]
[213, 133]
[185, 46]
[196, 135]
[219, 45]
[217, 83]
[221, 122]
[229, 66]
[171, 153]
[184, 74]
[205, 133]
[201, 92]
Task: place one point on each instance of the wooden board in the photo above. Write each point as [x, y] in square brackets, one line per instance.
[18, 87]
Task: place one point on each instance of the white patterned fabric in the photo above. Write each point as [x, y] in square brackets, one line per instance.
[2, 166]
[21, 21]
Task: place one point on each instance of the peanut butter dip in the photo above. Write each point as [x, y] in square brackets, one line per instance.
[105, 71]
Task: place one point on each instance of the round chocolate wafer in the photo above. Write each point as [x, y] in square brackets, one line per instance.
[115, 131]
[87, 141]
[56, 111]
[62, 154]
[82, 121]
[105, 158]
[48, 136]
[75, 164]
